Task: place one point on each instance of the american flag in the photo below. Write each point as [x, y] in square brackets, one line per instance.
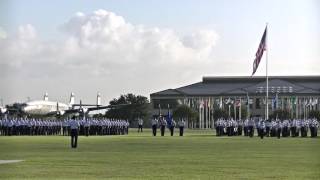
[261, 49]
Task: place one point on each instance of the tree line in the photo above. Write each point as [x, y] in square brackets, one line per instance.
[132, 107]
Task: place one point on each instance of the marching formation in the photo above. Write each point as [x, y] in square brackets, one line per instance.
[88, 126]
[162, 123]
[273, 128]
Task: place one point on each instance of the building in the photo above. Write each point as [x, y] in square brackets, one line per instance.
[296, 94]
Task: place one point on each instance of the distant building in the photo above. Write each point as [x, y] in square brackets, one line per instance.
[296, 94]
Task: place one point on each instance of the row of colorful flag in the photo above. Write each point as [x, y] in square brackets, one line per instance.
[275, 102]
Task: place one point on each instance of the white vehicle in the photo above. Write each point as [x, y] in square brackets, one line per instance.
[43, 107]
[46, 107]
[3, 110]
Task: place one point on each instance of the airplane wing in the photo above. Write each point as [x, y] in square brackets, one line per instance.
[83, 110]
[69, 111]
[106, 107]
[75, 105]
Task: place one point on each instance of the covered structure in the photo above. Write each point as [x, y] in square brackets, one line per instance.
[243, 96]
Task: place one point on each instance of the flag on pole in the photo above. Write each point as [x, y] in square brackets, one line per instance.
[159, 110]
[277, 100]
[274, 103]
[238, 103]
[314, 102]
[201, 105]
[259, 53]
[169, 117]
[310, 102]
[220, 104]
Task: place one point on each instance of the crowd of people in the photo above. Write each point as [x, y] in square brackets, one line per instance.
[88, 126]
[93, 127]
[272, 128]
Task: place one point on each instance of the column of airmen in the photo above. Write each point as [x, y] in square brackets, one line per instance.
[30, 127]
[89, 126]
[232, 127]
[103, 127]
[273, 128]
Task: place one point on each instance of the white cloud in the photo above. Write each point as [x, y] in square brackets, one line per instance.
[112, 39]
[103, 47]
[103, 52]
[27, 32]
[3, 33]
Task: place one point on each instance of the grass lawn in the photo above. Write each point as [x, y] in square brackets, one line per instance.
[198, 155]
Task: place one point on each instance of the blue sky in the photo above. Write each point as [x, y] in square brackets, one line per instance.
[293, 38]
[179, 14]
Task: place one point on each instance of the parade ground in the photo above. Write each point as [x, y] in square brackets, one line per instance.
[197, 155]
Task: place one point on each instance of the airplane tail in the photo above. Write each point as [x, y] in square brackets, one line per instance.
[46, 97]
[98, 99]
[72, 99]
[57, 107]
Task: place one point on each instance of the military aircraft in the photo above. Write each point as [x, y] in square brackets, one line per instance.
[3, 110]
[54, 108]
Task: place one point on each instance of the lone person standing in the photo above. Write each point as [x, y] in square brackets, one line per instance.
[251, 127]
[154, 124]
[278, 127]
[86, 127]
[74, 126]
[163, 124]
[172, 126]
[262, 128]
[181, 127]
[140, 124]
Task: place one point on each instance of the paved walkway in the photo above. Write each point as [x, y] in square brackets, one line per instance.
[9, 161]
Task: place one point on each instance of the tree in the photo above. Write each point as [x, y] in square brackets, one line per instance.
[163, 103]
[243, 112]
[130, 107]
[314, 114]
[280, 114]
[98, 116]
[185, 112]
[220, 113]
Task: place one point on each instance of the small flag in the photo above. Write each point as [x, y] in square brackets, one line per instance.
[314, 102]
[238, 103]
[201, 105]
[310, 102]
[205, 103]
[159, 110]
[259, 53]
[228, 101]
[169, 117]
[274, 103]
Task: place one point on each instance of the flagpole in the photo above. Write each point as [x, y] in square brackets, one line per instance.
[248, 106]
[267, 93]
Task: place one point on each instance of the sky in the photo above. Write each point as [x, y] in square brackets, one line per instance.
[122, 46]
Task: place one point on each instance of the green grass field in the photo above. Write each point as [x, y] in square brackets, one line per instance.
[198, 155]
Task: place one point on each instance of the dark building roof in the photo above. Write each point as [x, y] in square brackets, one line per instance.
[241, 85]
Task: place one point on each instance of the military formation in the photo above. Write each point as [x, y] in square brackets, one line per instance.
[273, 128]
[94, 127]
[88, 126]
[162, 123]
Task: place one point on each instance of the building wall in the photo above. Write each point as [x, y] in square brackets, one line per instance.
[206, 105]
